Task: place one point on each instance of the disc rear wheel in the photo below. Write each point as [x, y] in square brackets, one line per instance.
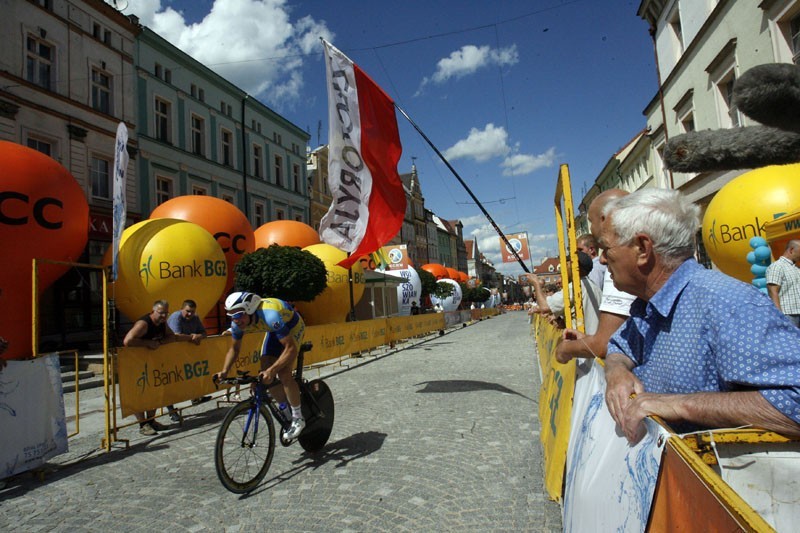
[319, 417]
[244, 448]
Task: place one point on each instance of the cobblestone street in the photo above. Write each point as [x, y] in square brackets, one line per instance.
[441, 435]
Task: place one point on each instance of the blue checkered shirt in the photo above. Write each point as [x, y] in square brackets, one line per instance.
[704, 331]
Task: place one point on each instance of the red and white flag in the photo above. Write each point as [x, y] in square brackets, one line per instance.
[369, 201]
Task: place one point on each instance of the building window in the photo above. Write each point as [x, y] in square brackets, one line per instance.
[96, 30]
[167, 75]
[201, 94]
[258, 214]
[296, 177]
[256, 161]
[101, 91]
[298, 218]
[794, 28]
[101, 179]
[107, 37]
[40, 146]
[278, 171]
[728, 107]
[199, 191]
[258, 127]
[159, 71]
[163, 120]
[193, 90]
[163, 189]
[228, 198]
[277, 138]
[40, 57]
[227, 148]
[222, 107]
[198, 135]
[279, 214]
[674, 21]
[46, 4]
[230, 111]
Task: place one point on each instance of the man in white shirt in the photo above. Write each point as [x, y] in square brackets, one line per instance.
[614, 309]
[783, 282]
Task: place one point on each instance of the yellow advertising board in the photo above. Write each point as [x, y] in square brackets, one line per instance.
[176, 372]
[555, 406]
[149, 379]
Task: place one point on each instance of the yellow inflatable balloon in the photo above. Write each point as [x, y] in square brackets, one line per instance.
[334, 303]
[168, 259]
[739, 211]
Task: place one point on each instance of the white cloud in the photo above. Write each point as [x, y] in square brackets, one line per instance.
[521, 164]
[481, 145]
[253, 43]
[468, 60]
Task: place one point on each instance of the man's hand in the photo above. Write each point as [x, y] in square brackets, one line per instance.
[268, 376]
[195, 338]
[648, 404]
[564, 350]
[621, 387]
[219, 376]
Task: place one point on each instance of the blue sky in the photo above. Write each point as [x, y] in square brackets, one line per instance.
[507, 90]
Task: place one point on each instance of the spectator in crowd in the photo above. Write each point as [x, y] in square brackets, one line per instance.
[3, 348]
[554, 304]
[783, 282]
[414, 308]
[700, 349]
[613, 307]
[187, 322]
[588, 245]
[151, 331]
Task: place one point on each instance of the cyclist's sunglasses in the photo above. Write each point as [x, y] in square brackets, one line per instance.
[236, 316]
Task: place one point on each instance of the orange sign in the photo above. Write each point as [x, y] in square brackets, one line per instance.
[519, 242]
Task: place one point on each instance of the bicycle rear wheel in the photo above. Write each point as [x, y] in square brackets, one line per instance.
[319, 417]
[244, 448]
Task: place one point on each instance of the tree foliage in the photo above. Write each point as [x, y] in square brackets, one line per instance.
[476, 294]
[431, 287]
[284, 272]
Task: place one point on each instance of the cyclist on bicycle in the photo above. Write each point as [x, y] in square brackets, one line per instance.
[285, 328]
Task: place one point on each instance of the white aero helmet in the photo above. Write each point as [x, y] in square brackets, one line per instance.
[242, 301]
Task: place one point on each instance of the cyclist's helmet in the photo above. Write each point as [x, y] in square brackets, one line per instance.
[242, 301]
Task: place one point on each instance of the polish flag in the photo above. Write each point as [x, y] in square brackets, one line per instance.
[369, 201]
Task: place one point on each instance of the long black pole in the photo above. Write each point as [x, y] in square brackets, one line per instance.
[477, 202]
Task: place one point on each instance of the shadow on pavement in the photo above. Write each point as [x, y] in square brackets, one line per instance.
[343, 451]
[465, 385]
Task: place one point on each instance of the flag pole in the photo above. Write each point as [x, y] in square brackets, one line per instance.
[477, 202]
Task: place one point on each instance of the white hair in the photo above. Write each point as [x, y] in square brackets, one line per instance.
[665, 215]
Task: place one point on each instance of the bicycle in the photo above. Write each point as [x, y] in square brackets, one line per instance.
[242, 456]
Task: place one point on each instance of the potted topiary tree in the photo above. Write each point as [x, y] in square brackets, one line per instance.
[284, 272]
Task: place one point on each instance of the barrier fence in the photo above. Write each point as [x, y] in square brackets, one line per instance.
[176, 372]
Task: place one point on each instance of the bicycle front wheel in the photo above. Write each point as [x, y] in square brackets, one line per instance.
[244, 448]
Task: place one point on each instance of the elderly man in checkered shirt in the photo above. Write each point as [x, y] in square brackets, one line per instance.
[783, 282]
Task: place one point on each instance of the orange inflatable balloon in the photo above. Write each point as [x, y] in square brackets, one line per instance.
[221, 219]
[436, 270]
[43, 214]
[286, 233]
[452, 273]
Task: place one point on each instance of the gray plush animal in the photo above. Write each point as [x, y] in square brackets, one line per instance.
[769, 94]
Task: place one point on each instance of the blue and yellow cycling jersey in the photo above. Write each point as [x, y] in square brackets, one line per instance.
[278, 319]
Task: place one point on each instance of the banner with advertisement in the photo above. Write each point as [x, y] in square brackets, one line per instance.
[396, 256]
[519, 241]
[555, 406]
[32, 431]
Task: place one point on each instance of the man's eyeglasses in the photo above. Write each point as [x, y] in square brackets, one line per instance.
[237, 316]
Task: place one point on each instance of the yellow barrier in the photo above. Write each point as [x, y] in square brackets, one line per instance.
[555, 406]
[176, 372]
